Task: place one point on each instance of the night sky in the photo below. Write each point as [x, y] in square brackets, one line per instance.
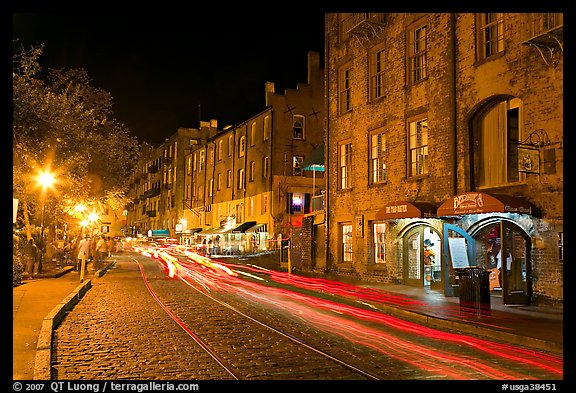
[160, 67]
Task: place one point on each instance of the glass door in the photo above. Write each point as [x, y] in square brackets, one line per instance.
[423, 262]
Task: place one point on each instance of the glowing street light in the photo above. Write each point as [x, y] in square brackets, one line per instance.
[45, 180]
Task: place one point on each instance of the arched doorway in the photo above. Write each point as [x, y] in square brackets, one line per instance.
[422, 257]
[503, 249]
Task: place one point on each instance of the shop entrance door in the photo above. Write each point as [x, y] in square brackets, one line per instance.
[423, 259]
[516, 284]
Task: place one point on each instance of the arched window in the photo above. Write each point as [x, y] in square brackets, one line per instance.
[497, 130]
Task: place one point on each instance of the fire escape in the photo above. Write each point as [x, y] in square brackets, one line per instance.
[364, 27]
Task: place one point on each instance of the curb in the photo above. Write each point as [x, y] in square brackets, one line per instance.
[43, 361]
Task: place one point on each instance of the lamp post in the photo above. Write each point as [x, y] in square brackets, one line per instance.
[45, 180]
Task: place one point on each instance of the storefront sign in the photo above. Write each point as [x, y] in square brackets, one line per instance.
[478, 202]
[396, 209]
[528, 160]
[405, 209]
[470, 201]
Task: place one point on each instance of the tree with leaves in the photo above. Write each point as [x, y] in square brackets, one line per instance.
[63, 124]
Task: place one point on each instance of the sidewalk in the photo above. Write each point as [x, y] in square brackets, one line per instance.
[37, 300]
[33, 301]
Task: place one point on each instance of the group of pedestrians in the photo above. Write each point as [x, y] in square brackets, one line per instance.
[95, 249]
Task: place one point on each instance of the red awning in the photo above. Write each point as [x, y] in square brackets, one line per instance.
[405, 209]
[478, 202]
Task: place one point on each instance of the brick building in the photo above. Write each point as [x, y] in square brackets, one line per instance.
[157, 184]
[444, 150]
[245, 187]
[242, 186]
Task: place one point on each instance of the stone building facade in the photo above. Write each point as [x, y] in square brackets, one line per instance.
[444, 148]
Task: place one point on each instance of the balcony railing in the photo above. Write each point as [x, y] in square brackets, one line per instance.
[365, 24]
[545, 29]
[152, 192]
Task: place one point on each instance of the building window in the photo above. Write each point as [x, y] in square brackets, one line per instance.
[377, 74]
[189, 166]
[490, 34]
[220, 149]
[229, 178]
[240, 179]
[211, 187]
[242, 148]
[344, 89]
[418, 147]
[265, 165]
[194, 163]
[378, 163]
[251, 207]
[253, 134]
[345, 165]
[264, 203]
[230, 145]
[346, 239]
[379, 243]
[202, 159]
[497, 132]
[297, 165]
[297, 202]
[417, 55]
[298, 126]
[219, 182]
[267, 127]
[252, 170]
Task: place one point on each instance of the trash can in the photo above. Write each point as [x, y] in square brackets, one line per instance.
[474, 291]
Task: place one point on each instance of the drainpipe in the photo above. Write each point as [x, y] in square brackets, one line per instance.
[455, 106]
[327, 141]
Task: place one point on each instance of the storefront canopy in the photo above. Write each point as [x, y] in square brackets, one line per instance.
[210, 231]
[243, 227]
[257, 228]
[315, 160]
[478, 202]
[158, 233]
[191, 231]
[405, 209]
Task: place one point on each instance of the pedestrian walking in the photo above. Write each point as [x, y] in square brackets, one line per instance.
[111, 243]
[83, 252]
[102, 252]
[31, 253]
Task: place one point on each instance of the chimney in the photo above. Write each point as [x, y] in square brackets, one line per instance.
[269, 87]
[313, 66]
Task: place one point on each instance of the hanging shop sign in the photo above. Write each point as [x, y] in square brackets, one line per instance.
[528, 159]
[478, 202]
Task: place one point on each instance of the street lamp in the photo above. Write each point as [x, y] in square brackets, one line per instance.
[45, 180]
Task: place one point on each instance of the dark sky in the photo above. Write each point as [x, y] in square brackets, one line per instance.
[159, 67]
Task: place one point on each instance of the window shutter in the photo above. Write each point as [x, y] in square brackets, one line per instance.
[289, 202]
